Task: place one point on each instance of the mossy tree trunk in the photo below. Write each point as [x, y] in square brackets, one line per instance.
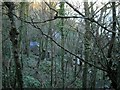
[15, 49]
[112, 74]
[61, 12]
[87, 45]
[94, 57]
[23, 42]
[51, 43]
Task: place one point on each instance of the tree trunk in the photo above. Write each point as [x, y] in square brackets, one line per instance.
[0, 46]
[86, 45]
[112, 73]
[94, 71]
[14, 39]
[51, 58]
[61, 12]
[118, 71]
[118, 76]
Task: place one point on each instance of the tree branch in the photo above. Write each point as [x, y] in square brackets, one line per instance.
[32, 24]
[51, 8]
[63, 47]
[90, 19]
[66, 17]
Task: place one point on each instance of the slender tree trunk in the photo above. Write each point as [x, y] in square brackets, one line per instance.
[22, 8]
[50, 32]
[112, 73]
[14, 39]
[61, 12]
[23, 42]
[42, 50]
[86, 45]
[118, 76]
[118, 71]
[94, 71]
[6, 52]
[26, 29]
[1, 46]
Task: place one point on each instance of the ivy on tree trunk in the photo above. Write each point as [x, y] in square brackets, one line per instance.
[14, 39]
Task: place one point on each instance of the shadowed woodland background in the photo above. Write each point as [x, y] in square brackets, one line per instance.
[61, 45]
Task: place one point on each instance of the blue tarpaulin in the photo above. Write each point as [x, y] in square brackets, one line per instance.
[34, 44]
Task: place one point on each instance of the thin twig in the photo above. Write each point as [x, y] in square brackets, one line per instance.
[90, 19]
[35, 26]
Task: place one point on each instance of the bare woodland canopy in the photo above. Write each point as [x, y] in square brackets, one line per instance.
[61, 45]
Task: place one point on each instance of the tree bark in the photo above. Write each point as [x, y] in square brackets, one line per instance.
[112, 74]
[14, 39]
[86, 45]
[61, 12]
